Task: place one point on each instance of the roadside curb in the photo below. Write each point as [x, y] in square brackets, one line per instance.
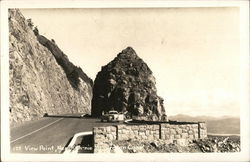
[71, 147]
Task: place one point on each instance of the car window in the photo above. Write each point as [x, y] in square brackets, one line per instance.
[113, 112]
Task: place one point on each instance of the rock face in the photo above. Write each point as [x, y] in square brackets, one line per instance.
[126, 84]
[41, 78]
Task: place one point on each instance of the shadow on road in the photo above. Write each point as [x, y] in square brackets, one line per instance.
[62, 116]
[68, 116]
[87, 144]
[110, 122]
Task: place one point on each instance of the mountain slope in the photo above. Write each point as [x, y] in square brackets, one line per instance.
[215, 125]
[38, 83]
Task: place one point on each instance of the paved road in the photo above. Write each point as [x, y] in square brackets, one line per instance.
[49, 134]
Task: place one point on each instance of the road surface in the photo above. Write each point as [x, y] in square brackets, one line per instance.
[49, 134]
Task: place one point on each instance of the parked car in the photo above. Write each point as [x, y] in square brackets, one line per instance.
[112, 116]
[45, 115]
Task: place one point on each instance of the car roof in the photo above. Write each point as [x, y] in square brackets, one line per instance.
[112, 111]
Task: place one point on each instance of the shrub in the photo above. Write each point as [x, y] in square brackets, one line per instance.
[30, 23]
[36, 31]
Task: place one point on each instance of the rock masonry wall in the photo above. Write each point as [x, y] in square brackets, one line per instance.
[179, 133]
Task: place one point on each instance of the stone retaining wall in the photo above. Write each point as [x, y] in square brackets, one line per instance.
[180, 133]
[142, 132]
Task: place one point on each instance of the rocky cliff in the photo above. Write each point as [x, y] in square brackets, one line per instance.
[41, 77]
[126, 84]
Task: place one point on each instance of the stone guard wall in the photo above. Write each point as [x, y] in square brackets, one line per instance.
[180, 133]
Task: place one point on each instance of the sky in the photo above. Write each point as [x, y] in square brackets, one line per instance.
[194, 53]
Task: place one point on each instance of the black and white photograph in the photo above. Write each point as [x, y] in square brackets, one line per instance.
[125, 81]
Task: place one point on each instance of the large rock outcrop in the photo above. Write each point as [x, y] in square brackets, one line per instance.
[41, 78]
[126, 84]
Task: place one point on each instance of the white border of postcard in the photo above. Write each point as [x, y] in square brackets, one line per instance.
[244, 77]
